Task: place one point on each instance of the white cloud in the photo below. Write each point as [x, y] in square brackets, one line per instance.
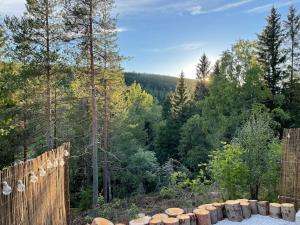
[231, 5]
[267, 7]
[192, 46]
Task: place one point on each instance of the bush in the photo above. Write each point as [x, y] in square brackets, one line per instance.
[229, 171]
[86, 199]
[167, 193]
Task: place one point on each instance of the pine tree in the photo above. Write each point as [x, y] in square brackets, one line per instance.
[217, 69]
[292, 30]
[270, 53]
[47, 40]
[179, 99]
[203, 69]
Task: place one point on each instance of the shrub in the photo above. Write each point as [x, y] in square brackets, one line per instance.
[86, 199]
[167, 193]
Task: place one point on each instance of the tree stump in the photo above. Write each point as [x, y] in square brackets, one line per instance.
[275, 210]
[234, 211]
[253, 205]
[140, 221]
[101, 221]
[288, 212]
[174, 212]
[193, 218]
[184, 219]
[204, 206]
[171, 221]
[243, 200]
[263, 208]
[203, 217]
[155, 222]
[160, 216]
[246, 209]
[224, 210]
[213, 214]
[219, 207]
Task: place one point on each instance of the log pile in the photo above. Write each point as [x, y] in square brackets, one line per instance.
[209, 214]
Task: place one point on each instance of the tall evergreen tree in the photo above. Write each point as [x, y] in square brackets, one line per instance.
[292, 30]
[217, 69]
[203, 69]
[47, 39]
[179, 99]
[270, 54]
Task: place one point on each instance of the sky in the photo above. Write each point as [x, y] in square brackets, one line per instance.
[169, 36]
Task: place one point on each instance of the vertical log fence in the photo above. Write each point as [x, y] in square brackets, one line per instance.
[45, 200]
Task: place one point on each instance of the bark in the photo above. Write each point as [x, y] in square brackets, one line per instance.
[253, 205]
[275, 210]
[94, 109]
[246, 209]
[203, 217]
[234, 211]
[288, 212]
[263, 208]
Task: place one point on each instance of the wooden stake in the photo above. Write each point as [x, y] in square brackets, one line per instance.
[234, 211]
[288, 212]
[263, 208]
[203, 217]
[275, 210]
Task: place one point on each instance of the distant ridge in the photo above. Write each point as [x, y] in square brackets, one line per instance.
[157, 85]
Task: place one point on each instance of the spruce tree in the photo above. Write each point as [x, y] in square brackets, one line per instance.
[217, 69]
[203, 69]
[292, 31]
[179, 99]
[270, 54]
[47, 40]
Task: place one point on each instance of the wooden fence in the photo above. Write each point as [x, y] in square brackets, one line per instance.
[45, 200]
[290, 167]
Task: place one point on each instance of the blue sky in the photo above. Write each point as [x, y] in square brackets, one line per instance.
[168, 36]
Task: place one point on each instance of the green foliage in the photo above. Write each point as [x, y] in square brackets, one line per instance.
[229, 171]
[86, 198]
[167, 193]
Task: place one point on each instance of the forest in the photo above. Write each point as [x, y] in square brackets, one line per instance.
[135, 134]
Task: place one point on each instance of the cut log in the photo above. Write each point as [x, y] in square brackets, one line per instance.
[184, 219]
[155, 222]
[224, 210]
[234, 211]
[288, 212]
[140, 221]
[193, 218]
[174, 212]
[213, 214]
[219, 207]
[204, 206]
[171, 221]
[203, 217]
[243, 200]
[160, 216]
[275, 210]
[253, 205]
[246, 209]
[101, 221]
[263, 208]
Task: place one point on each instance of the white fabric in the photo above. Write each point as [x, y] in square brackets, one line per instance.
[258, 220]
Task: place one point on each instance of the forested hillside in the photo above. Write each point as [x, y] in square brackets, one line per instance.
[61, 80]
[157, 85]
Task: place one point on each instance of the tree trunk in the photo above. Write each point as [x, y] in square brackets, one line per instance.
[160, 216]
[234, 211]
[213, 214]
[192, 218]
[219, 207]
[94, 110]
[184, 219]
[48, 77]
[275, 210]
[174, 212]
[171, 221]
[288, 212]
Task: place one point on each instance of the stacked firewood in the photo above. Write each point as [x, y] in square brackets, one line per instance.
[208, 214]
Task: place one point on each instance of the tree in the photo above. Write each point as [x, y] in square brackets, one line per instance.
[292, 30]
[270, 54]
[179, 99]
[83, 18]
[47, 39]
[255, 137]
[203, 69]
